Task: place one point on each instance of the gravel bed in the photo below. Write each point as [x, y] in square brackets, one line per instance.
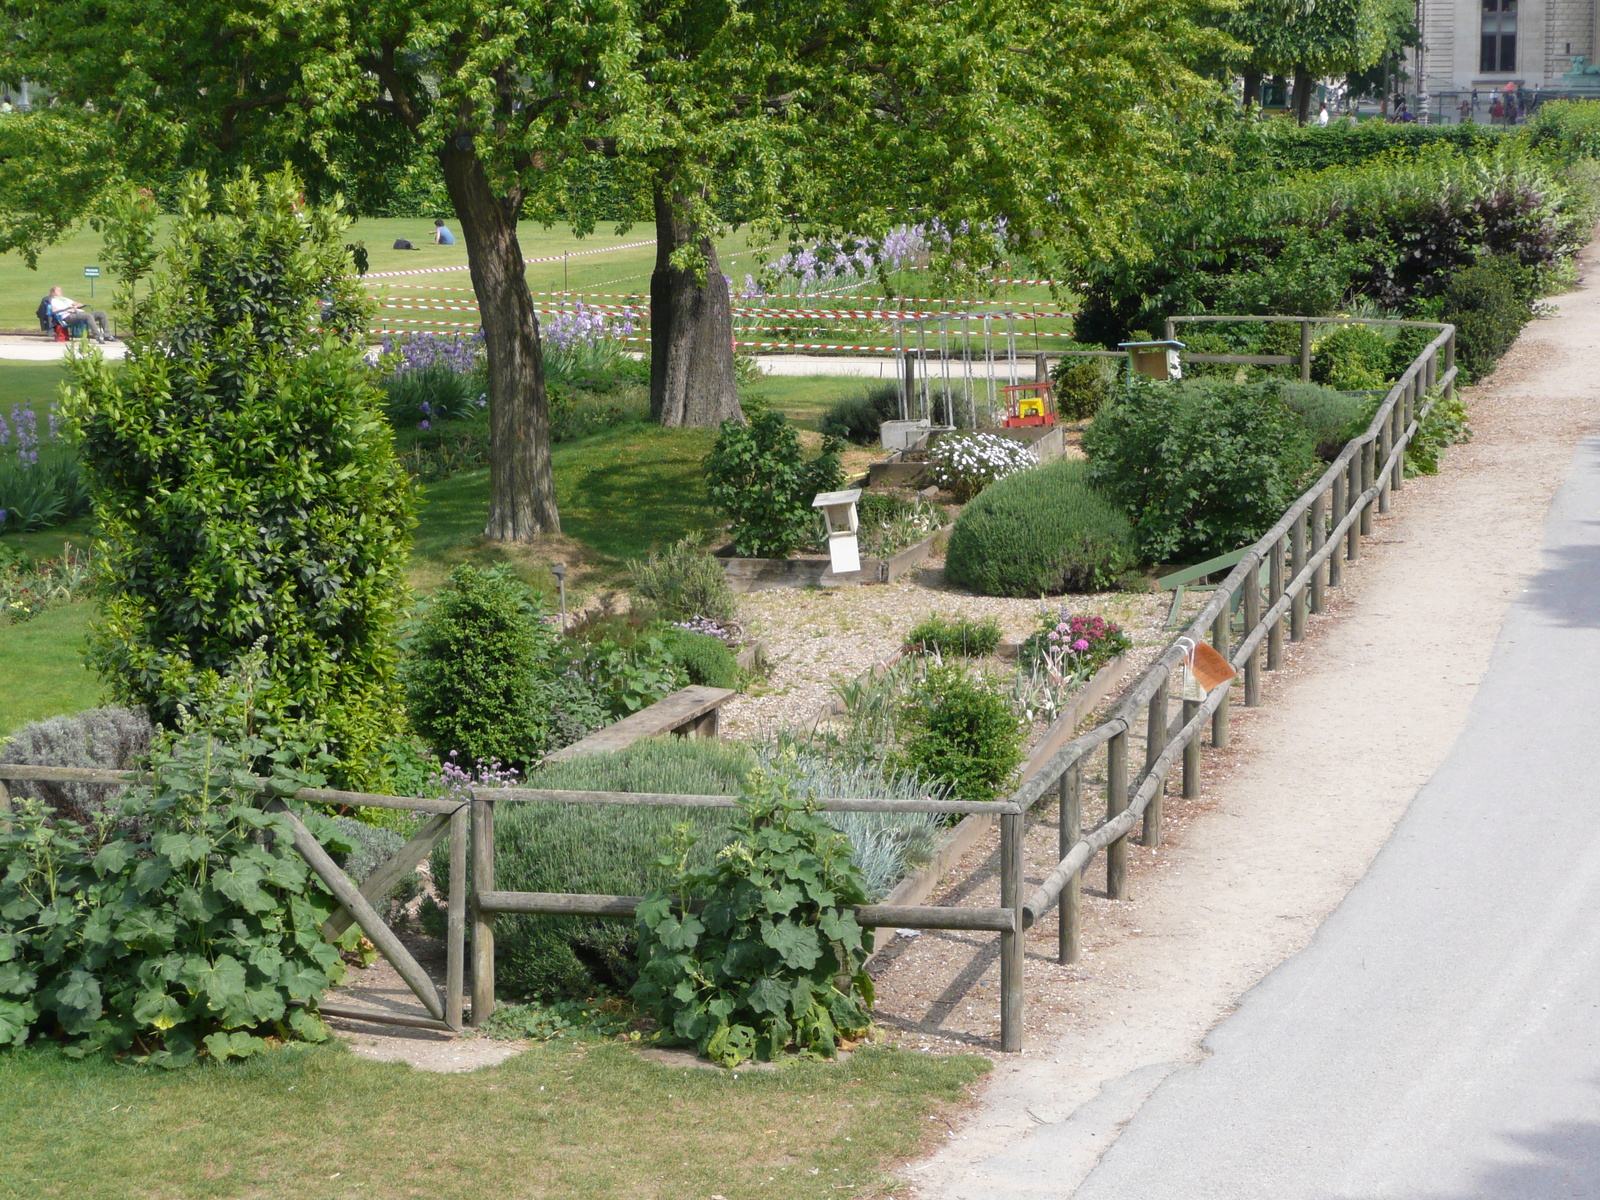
[816, 637]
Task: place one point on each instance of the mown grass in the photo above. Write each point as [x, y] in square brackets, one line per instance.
[41, 667]
[585, 1122]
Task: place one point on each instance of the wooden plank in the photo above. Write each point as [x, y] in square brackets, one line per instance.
[482, 918]
[1012, 945]
[1199, 571]
[456, 917]
[664, 716]
[1258, 360]
[349, 1012]
[686, 800]
[1155, 741]
[1274, 594]
[1069, 923]
[1116, 802]
[387, 877]
[1219, 717]
[366, 916]
[874, 916]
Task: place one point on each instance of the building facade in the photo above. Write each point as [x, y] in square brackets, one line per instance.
[1482, 45]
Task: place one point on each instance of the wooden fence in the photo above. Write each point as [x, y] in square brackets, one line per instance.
[1304, 553]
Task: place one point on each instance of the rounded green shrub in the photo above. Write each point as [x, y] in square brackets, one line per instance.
[1331, 417]
[1082, 386]
[476, 675]
[962, 732]
[857, 418]
[1352, 357]
[1040, 532]
[681, 583]
[1488, 303]
[707, 659]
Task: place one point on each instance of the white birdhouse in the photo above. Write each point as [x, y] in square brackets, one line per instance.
[839, 511]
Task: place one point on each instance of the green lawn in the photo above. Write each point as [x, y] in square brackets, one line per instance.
[41, 667]
[30, 384]
[560, 1122]
[806, 397]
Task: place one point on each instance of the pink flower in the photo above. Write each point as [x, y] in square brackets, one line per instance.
[1080, 645]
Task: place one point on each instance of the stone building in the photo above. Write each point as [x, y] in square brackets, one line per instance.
[1482, 45]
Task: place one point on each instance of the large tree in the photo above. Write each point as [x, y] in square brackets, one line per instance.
[1311, 39]
[1056, 114]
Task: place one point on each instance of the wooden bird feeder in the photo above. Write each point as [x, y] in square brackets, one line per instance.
[1158, 360]
[839, 513]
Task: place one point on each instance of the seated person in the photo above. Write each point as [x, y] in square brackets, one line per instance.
[442, 235]
[78, 319]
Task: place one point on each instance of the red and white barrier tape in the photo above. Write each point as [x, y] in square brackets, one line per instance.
[545, 259]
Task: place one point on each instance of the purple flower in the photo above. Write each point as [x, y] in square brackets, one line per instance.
[423, 424]
[1080, 645]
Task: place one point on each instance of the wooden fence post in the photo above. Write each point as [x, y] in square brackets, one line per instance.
[1449, 362]
[1305, 351]
[5, 808]
[1252, 618]
[1191, 753]
[1336, 560]
[1402, 422]
[1385, 448]
[1155, 742]
[1297, 563]
[482, 922]
[1319, 538]
[456, 927]
[1219, 716]
[1116, 802]
[1369, 471]
[1011, 942]
[1069, 913]
[1274, 594]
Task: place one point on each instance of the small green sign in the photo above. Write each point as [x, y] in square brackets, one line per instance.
[91, 272]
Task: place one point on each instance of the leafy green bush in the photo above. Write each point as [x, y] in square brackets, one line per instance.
[475, 667]
[1283, 145]
[1445, 425]
[245, 486]
[775, 958]
[707, 659]
[958, 636]
[681, 583]
[186, 926]
[1352, 357]
[1331, 417]
[1488, 304]
[759, 479]
[961, 731]
[1082, 386]
[857, 418]
[1565, 130]
[1201, 466]
[629, 673]
[436, 392]
[1041, 532]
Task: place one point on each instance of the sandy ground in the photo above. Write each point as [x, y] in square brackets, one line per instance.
[1290, 816]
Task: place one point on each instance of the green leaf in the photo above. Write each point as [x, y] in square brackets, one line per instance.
[78, 1002]
[112, 858]
[219, 984]
[16, 1020]
[769, 994]
[223, 1046]
[301, 981]
[158, 1010]
[797, 945]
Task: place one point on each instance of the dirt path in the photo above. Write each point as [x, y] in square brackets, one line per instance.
[1294, 812]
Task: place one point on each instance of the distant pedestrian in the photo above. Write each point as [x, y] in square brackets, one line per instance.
[1465, 109]
[1322, 114]
[442, 235]
[1496, 111]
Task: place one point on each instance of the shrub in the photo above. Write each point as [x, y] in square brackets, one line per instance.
[193, 936]
[370, 846]
[857, 418]
[1352, 357]
[759, 479]
[1445, 425]
[708, 660]
[682, 583]
[962, 635]
[630, 673]
[1040, 532]
[1565, 130]
[613, 849]
[1201, 466]
[582, 413]
[475, 667]
[775, 958]
[245, 485]
[1488, 304]
[1082, 385]
[433, 393]
[966, 463]
[1331, 417]
[105, 739]
[961, 731]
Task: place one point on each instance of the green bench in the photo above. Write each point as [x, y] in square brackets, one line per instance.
[1178, 581]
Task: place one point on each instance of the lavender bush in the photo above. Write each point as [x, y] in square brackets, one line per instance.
[35, 491]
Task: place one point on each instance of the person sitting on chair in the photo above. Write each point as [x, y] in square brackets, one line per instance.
[442, 235]
[78, 319]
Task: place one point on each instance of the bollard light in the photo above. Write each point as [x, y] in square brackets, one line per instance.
[560, 572]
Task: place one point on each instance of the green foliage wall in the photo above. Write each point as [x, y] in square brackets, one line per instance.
[1202, 467]
[244, 484]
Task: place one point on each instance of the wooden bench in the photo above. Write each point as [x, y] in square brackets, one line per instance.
[691, 712]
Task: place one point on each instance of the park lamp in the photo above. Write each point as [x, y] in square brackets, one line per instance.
[560, 571]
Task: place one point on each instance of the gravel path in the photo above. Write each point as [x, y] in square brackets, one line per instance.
[816, 637]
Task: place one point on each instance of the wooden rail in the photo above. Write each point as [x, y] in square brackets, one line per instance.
[1302, 556]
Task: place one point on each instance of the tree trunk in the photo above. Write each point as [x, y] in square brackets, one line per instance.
[522, 493]
[691, 330]
[1302, 95]
[1252, 88]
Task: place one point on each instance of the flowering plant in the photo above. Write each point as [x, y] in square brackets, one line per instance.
[1078, 643]
[966, 463]
[708, 627]
[583, 340]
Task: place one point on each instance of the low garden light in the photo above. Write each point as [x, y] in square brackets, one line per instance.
[839, 513]
[560, 572]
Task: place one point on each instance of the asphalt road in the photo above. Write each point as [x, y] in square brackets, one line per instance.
[1439, 1039]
